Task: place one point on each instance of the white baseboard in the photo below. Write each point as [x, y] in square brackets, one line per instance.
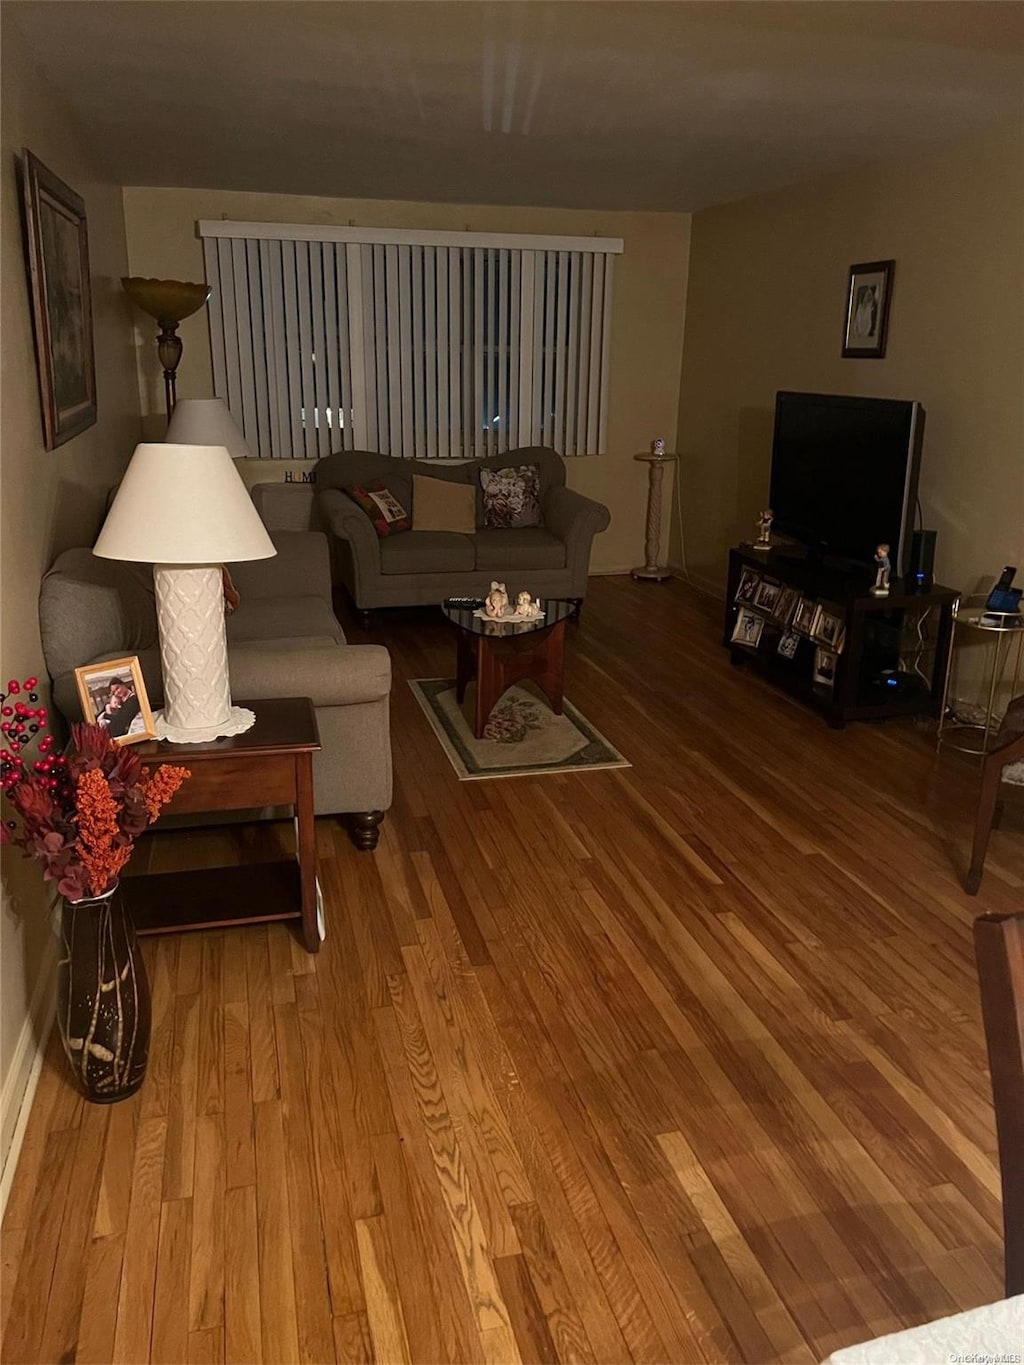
[26, 1065]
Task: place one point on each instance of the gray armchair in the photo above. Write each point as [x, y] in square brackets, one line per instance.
[283, 641]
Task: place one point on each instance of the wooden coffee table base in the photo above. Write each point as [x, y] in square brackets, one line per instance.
[498, 661]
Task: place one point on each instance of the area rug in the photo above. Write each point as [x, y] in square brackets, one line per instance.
[523, 735]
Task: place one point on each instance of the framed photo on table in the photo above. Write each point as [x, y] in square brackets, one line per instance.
[57, 247]
[803, 616]
[113, 695]
[749, 580]
[824, 668]
[748, 628]
[829, 630]
[766, 595]
[785, 605]
[868, 293]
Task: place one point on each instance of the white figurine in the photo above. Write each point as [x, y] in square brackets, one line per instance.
[883, 571]
[764, 530]
[496, 601]
[525, 607]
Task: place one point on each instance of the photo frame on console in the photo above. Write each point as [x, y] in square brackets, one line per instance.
[113, 695]
[747, 588]
[829, 630]
[785, 605]
[825, 662]
[748, 628]
[766, 595]
[803, 616]
[788, 644]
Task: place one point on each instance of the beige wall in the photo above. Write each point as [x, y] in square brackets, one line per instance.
[647, 328]
[50, 499]
[767, 284]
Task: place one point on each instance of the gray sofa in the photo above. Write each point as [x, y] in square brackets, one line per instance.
[417, 568]
[283, 641]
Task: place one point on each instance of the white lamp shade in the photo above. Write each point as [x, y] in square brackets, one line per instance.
[206, 422]
[182, 504]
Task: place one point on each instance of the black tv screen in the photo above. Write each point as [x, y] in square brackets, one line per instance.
[844, 472]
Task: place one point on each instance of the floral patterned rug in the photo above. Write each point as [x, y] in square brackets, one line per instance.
[523, 735]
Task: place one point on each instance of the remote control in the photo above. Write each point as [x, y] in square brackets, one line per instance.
[463, 601]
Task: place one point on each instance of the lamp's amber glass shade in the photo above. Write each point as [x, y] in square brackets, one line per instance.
[166, 300]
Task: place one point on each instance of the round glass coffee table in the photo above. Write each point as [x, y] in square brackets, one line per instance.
[500, 653]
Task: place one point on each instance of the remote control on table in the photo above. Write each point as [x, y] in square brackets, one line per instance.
[463, 601]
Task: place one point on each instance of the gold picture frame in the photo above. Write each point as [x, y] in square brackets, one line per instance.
[57, 246]
[113, 695]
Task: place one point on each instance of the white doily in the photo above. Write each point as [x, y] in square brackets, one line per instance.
[509, 618]
[240, 719]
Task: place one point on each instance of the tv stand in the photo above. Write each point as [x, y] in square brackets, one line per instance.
[895, 653]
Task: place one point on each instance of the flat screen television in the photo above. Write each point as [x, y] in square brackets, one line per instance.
[844, 473]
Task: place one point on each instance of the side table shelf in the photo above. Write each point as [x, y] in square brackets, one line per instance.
[1004, 634]
[269, 765]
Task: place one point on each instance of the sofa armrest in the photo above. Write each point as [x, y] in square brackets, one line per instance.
[348, 522]
[573, 517]
[342, 675]
[301, 568]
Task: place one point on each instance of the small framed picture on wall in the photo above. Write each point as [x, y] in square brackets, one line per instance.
[868, 294]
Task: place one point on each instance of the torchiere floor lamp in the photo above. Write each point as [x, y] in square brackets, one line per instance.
[169, 301]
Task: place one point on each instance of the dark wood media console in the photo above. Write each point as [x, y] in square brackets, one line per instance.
[906, 636]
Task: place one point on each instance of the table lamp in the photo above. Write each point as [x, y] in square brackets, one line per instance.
[185, 510]
[207, 422]
[170, 302]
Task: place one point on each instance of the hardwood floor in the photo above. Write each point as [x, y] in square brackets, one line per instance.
[681, 1062]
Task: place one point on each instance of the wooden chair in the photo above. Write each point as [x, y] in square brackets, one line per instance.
[1009, 749]
[999, 949]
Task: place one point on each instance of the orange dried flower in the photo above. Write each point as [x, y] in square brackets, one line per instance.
[100, 845]
[161, 787]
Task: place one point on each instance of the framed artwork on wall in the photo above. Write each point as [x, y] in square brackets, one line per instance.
[868, 294]
[58, 267]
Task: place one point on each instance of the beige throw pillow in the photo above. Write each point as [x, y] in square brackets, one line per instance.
[438, 505]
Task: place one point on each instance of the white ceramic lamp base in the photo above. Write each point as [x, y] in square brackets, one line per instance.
[194, 656]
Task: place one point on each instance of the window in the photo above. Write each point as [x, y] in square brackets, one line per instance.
[433, 345]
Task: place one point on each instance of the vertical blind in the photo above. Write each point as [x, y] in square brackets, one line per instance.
[426, 345]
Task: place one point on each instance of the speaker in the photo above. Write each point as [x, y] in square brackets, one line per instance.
[921, 568]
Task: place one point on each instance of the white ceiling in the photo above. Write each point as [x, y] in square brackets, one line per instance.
[555, 102]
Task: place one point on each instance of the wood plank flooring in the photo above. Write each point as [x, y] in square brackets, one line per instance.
[681, 1062]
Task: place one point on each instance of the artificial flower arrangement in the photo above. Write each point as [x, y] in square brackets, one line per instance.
[80, 812]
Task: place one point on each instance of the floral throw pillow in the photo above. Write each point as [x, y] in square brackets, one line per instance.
[511, 496]
[383, 508]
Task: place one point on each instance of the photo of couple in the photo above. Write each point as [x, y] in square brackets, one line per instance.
[113, 696]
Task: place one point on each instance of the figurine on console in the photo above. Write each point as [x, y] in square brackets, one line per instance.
[496, 601]
[883, 571]
[764, 530]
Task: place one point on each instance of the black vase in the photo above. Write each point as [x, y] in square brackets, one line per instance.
[103, 998]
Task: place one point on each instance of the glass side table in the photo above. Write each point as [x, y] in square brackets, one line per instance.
[1003, 634]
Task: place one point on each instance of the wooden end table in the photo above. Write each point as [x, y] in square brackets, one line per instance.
[500, 653]
[269, 765]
